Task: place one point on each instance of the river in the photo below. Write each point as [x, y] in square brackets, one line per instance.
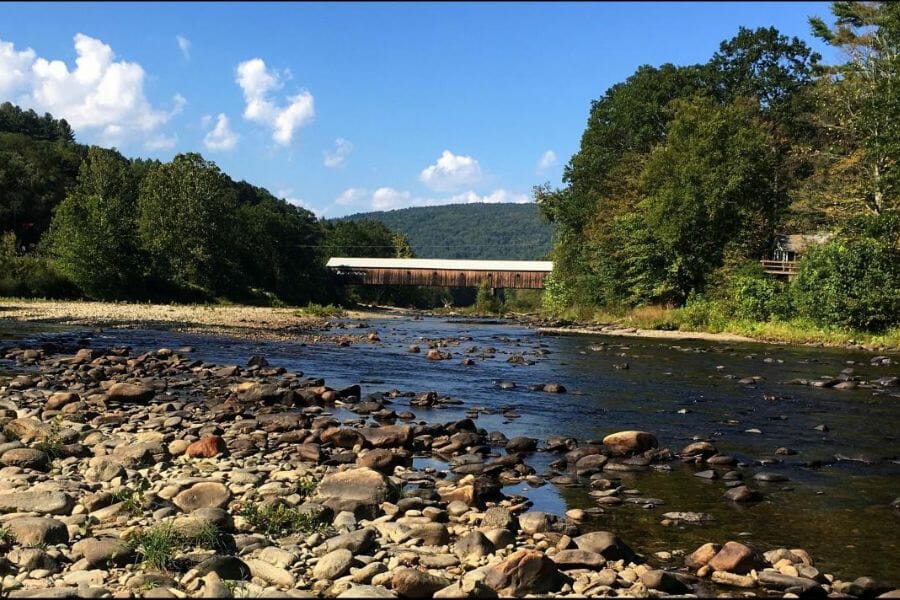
[838, 510]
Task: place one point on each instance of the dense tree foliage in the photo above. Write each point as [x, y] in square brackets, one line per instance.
[486, 231]
[684, 174]
[93, 235]
[39, 162]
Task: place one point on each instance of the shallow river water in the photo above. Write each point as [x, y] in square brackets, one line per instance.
[839, 510]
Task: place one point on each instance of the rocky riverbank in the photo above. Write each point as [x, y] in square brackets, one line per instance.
[161, 475]
[247, 322]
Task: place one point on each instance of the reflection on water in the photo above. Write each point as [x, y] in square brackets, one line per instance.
[840, 511]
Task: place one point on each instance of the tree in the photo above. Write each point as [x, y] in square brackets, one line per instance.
[186, 223]
[279, 246]
[710, 188]
[860, 101]
[93, 235]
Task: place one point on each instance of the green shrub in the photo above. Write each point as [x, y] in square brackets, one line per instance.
[278, 520]
[850, 283]
[485, 300]
[318, 310]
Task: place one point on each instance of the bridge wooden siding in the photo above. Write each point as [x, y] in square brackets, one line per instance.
[499, 274]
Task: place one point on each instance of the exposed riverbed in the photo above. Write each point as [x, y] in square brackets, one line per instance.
[837, 508]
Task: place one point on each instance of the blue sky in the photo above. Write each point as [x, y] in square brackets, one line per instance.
[348, 107]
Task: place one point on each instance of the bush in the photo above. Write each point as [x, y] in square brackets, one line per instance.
[30, 276]
[485, 300]
[851, 283]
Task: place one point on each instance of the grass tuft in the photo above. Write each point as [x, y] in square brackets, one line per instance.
[279, 520]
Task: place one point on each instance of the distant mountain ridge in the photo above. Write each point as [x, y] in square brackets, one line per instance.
[474, 231]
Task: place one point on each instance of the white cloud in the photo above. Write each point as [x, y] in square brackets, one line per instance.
[351, 196]
[257, 82]
[495, 197]
[451, 172]
[15, 68]
[337, 158]
[221, 137]
[386, 198]
[546, 162]
[101, 96]
[161, 142]
[184, 45]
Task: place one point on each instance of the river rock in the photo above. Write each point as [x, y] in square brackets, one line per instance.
[366, 591]
[607, 544]
[521, 444]
[101, 553]
[103, 468]
[207, 447]
[554, 388]
[702, 449]
[34, 531]
[59, 399]
[359, 541]
[535, 521]
[657, 579]
[630, 442]
[524, 572]
[26, 458]
[388, 436]
[270, 573]
[742, 493]
[735, 557]
[206, 494]
[27, 429]
[130, 393]
[590, 464]
[498, 516]
[578, 559]
[472, 545]
[334, 564]
[356, 490]
[44, 502]
[702, 555]
[413, 583]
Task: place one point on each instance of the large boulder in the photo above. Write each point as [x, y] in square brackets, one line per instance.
[100, 553]
[735, 557]
[360, 491]
[43, 501]
[524, 572]
[130, 393]
[630, 442]
[26, 458]
[413, 583]
[34, 531]
[388, 436]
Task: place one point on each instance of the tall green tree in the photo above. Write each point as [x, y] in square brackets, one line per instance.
[93, 235]
[280, 246]
[186, 222]
[709, 189]
[860, 102]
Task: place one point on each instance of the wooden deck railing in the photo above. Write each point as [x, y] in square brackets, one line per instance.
[780, 267]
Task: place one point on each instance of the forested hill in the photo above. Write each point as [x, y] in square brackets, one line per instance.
[479, 231]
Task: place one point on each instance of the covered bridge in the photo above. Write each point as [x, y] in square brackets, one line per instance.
[500, 274]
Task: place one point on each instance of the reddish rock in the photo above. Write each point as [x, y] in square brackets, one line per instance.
[59, 399]
[388, 436]
[524, 572]
[342, 437]
[207, 447]
[735, 557]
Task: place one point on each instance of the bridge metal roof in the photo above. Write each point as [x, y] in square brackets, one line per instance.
[441, 264]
